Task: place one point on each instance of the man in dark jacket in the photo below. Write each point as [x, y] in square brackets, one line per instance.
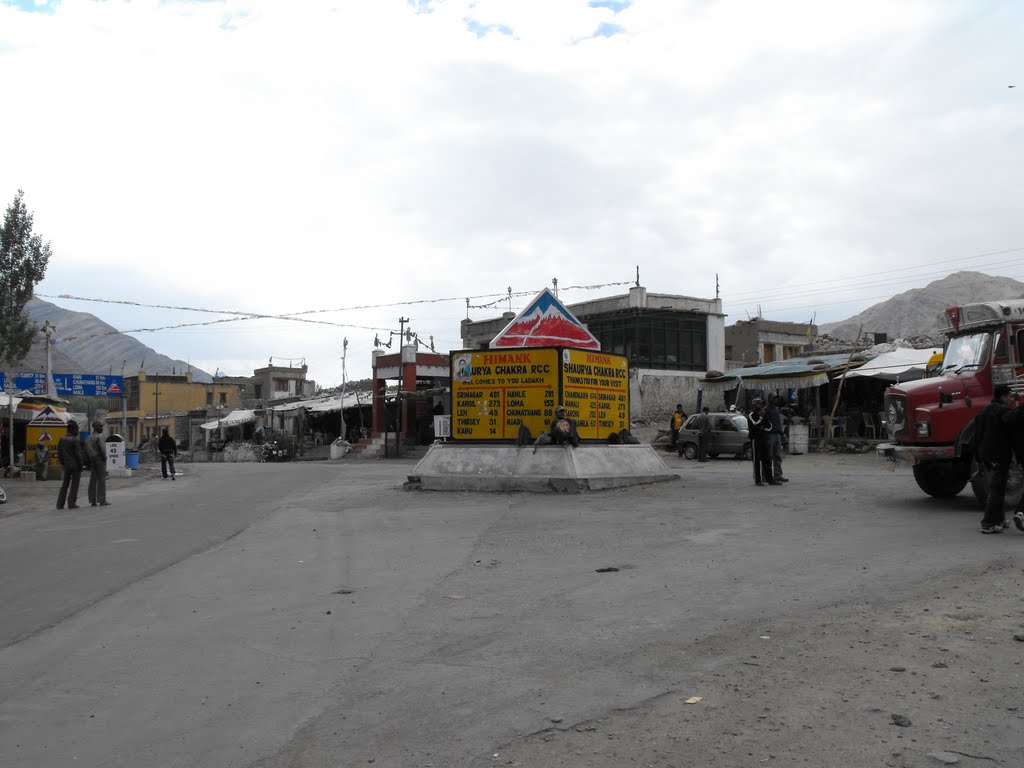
[1014, 419]
[71, 460]
[702, 425]
[774, 415]
[759, 427]
[96, 455]
[994, 451]
[168, 448]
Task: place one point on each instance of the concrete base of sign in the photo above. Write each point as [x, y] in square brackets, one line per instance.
[552, 469]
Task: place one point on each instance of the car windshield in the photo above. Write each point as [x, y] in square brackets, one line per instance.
[966, 352]
[740, 421]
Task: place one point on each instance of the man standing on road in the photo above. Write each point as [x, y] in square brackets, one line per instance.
[992, 444]
[702, 425]
[676, 424]
[96, 455]
[71, 460]
[759, 429]
[775, 438]
[168, 448]
[1014, 419]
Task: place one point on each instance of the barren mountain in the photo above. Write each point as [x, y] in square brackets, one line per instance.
[100, 348]
[915, 312]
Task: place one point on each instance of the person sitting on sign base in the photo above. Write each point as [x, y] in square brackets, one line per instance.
[42, 460]
[562, 431]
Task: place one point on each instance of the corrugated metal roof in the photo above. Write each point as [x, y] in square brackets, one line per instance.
[794, 373]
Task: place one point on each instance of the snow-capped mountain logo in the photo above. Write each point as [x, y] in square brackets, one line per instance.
[545, 322]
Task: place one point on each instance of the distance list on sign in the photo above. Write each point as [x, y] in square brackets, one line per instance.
[595, 388]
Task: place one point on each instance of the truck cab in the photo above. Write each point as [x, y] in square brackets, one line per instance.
[931, 420]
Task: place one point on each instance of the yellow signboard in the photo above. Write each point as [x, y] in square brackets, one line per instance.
[595, 391]
[494, 392]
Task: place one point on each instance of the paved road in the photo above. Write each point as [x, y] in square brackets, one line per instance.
[55, 563]
[319, 615]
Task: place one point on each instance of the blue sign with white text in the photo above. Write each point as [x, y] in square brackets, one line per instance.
[73, 384]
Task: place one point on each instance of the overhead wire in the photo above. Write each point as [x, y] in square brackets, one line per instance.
[817, 284]
[237, 315]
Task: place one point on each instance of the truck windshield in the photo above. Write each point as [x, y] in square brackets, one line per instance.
[966, 352]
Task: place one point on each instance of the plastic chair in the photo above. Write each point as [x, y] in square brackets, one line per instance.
[869, 426]
[883, 426]
[836, 427]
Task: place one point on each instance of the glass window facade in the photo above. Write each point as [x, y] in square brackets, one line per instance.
[675, 341]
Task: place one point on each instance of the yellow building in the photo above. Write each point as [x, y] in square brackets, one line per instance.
[151, 402]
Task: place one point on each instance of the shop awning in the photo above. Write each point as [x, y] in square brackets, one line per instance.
[903, 364]
[325, 404]
[233, 419]
[6, 400]
[794, 373]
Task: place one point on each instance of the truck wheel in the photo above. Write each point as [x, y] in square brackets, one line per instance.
[1014, 485]
[940, 479]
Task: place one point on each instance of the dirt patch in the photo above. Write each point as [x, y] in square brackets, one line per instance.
[932, 681]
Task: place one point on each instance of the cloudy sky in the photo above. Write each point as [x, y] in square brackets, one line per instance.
[365, 161]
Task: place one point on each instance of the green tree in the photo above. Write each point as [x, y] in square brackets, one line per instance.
[23, 260]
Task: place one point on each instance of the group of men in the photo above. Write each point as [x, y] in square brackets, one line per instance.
[765, 427]
[998, 437]
[74, 457]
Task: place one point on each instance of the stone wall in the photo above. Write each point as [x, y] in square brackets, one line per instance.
[654, 394]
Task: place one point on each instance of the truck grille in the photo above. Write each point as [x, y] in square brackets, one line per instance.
[896, 415]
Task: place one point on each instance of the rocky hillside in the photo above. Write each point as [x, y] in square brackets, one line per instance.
[100, 348]
[915, 312]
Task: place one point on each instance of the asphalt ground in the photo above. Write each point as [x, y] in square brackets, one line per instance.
[318, 614]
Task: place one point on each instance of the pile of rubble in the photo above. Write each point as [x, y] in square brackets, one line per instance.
[866, 344]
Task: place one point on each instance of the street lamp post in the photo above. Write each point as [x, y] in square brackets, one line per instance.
[156, 394]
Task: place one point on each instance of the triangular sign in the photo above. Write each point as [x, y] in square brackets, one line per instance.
[45, 436]
[545, 322]
[49, 416]
[113, 389]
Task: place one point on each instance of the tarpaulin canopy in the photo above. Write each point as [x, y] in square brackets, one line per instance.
[902, 364]
[325, 404]
[794, 373]
[233, 419]
[7, 399]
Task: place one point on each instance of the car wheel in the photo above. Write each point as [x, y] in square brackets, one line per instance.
[747, 454]
[689, 451]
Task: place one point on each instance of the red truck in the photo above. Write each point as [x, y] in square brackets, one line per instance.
[931, 420]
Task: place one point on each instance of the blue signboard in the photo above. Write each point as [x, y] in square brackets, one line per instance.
[68, 384]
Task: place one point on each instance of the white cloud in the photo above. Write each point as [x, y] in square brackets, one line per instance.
[279, 157]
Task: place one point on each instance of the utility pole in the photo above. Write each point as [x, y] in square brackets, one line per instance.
[10, 420]
[343, 433]
[124, 405]
[48, 331]
[156, 394]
